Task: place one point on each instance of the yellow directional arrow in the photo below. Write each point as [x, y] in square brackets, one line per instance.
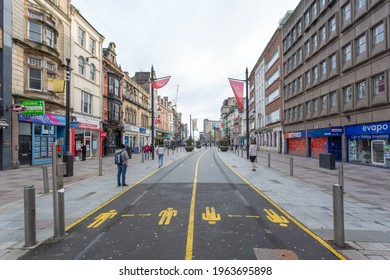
[275, 218]
[254, 217]
[234, 216]
[166, 216]
[100, 219]
[211, 216]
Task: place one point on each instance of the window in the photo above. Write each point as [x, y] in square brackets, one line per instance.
[113, 85]
[272, 78]
[86, 103]
[332, 24]
[307, 47]
[272, 96]
[273, 117]
[379, 84]
[322, 3]
[333, 99]
[308, 108]
[50, 37]
[378, 34]
[34, 31]
[347, 53]
[315, 105]
[81, 65]
[314, 9]
[361, 90]
[299, 27]
[35, 79]
[273, 59]
[361, 44]
[347, 93]
[35, 73]
[308, 78]
[114, 111]
[333, 62]
[346, 12]
[323, 34]
[315, 73]
[92, 70]
[92, 46]
[307, 18]
[323, 68]
[300, 82]
[300, 110]
[81, 36]
[360, 4]
[324, 104]
[315, 41]
[299, 56]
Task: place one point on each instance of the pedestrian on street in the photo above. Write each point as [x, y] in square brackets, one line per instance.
[121, 157]
[160, 153]
[253, 154]
[146, 151]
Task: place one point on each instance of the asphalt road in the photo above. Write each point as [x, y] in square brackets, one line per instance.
[195, 208]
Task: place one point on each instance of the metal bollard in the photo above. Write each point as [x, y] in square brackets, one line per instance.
[45, 179]
[143, 157]
[61, 213]
[341, 175]
[291, 166]
[269, 160]
[29, 216]
[167, 151]
[100, 166]
[338, 215]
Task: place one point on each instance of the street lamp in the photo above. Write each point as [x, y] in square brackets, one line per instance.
[68, 156]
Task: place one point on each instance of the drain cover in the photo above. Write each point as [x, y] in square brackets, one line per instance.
[274, 254]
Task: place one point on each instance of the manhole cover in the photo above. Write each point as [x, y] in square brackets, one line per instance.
[274, 254]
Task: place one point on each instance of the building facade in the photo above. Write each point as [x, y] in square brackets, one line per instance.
[86, 80]
[336, 80]
[41, 32]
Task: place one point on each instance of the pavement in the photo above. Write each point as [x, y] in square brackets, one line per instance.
[305, 194]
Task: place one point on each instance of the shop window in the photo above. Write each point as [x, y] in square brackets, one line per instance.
[362, 90]
[378, 34]
[378, 152]
[379, 84]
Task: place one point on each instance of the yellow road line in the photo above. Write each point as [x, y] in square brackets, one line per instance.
[191, 220]
[308, 231]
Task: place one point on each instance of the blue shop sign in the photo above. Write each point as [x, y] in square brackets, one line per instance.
[368, 129]
[328, 131]
[296, 134]
[142, 130]
[44, 119]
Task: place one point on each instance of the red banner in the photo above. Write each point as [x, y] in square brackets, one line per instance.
[238, 89]
[159, 83]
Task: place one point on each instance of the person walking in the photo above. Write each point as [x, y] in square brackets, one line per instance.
[160, 153]
[253, 154]
[121, 157]
[146, 151]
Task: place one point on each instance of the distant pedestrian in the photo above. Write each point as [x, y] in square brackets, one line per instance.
[160, 153]
[121, 157]
[253, 154]
[146, 151]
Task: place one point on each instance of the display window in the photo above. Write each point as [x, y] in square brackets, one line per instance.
[44, 136]
[318, 146]
[369, 151]
[297, 146]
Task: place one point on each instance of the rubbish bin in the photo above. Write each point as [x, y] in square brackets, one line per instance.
[83, 152]
[327, 161]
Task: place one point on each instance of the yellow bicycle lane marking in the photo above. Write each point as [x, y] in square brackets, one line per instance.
[191, 220]
[308, 231]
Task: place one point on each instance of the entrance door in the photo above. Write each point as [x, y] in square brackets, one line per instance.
[87, 143]
[335, 147]
[24, 149]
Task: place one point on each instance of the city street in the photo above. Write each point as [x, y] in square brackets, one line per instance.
[195, 208]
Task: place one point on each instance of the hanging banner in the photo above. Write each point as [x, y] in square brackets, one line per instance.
[194, 124]
[238, 89]
[159, 83]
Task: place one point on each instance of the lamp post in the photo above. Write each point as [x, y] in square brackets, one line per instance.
[152, 80]
[68, 156]
[247, 113]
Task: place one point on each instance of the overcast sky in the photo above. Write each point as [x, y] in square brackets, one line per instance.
[199, 43]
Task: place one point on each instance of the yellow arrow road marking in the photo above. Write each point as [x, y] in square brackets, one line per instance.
[127, 215]
[254, 217]
[166, 216]
[100, 219]
[275, 218]
[234, 216]
[211, 216]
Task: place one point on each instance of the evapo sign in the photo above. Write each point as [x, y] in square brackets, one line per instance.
[369, 128]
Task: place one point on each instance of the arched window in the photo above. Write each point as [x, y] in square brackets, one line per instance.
[81, 65]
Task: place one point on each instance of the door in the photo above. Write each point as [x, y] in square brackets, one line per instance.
[87, 143]
[335, 147]
[24, 149]
[378, 152]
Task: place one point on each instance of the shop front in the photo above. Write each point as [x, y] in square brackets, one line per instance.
[325, 140]
[369, 143]
[85, 139]
[131, 137]
[296, 143]
[36, 136]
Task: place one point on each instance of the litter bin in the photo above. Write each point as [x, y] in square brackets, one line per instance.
[83, 152]
[327, 161]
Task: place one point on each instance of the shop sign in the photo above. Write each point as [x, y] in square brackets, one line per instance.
[370, 128]
[298, 134]
[33, 107]
[44, 119]
[103, 134]
[142, 130]
[328, 131]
